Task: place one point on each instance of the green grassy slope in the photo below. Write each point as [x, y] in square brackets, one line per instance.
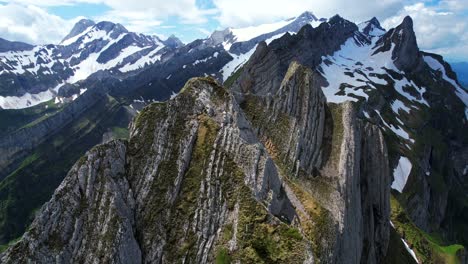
[28, 187]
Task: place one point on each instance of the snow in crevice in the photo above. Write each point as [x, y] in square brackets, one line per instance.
[236, 63]
[410, 251]
[148, 59]
[401, 173]
[373, 32]
[395, 129]
[404, 82]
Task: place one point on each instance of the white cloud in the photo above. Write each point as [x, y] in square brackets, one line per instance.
[32, 24]
[29, 21]
[250, 12]
[441, 28]
[186, 10]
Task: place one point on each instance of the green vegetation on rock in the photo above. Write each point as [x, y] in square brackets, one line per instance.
[428, 248]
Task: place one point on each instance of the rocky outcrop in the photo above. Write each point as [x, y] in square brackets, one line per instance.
[405, 54]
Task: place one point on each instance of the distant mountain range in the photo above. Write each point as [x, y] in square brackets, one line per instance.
[461, 69]
[34, 74]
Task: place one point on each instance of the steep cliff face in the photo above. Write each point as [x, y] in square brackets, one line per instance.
[201, 181]
[331, 154]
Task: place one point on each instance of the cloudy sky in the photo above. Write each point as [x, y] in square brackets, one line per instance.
[441, 25]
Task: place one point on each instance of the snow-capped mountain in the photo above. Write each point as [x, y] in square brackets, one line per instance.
[35, 75]
[261, 32]
[241, 42]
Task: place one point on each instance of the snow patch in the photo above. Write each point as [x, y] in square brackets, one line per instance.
[401, 173]
[28, 99]
[398, 105]
[349, 67]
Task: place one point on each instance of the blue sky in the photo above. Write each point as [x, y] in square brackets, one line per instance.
[441, 25]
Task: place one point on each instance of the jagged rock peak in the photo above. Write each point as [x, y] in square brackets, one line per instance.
[307, 15]
[220, 36]
[110, 26]
[173, 42]
[192, 167]
[407, 23]
[374, 21]
[406, 54]
[372, 28]
[79, 27]
[336, 19]
[338, 25]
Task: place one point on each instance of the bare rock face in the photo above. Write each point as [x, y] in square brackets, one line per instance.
[281, 178]
[90, 217]
[405, 55]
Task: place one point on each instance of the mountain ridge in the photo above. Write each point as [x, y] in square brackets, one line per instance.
[375, 83]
